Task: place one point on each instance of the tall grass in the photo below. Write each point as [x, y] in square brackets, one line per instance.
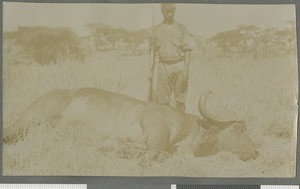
[262, 92]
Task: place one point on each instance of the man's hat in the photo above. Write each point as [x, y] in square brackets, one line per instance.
[166, 6]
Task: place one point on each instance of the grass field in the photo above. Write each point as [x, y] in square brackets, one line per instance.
[263, 92]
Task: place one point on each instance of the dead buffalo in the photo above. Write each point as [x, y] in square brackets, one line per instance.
[111, 115]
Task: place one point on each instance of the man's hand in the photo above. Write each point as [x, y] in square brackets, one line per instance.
[184, 48]
[154, 42]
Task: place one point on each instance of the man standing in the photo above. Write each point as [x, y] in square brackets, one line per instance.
[172, 44]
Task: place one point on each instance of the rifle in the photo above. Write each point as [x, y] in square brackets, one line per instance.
[152, 87]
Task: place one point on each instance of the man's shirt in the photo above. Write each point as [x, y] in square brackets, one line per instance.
[171, 36]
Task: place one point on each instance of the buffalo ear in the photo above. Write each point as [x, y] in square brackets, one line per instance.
[203, 123]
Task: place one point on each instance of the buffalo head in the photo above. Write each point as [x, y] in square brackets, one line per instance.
[222, 135]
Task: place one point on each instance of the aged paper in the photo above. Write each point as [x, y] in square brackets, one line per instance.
[194, 90]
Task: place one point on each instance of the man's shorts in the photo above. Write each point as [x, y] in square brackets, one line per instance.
[170, 79]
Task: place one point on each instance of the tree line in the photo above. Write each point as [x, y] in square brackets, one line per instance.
[249, 40]
[46, 45]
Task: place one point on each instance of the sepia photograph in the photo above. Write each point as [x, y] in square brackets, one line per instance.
[163, 89]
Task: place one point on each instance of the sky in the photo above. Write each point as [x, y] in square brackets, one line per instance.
[200, 19]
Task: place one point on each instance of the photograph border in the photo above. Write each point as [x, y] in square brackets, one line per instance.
[110, 180]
